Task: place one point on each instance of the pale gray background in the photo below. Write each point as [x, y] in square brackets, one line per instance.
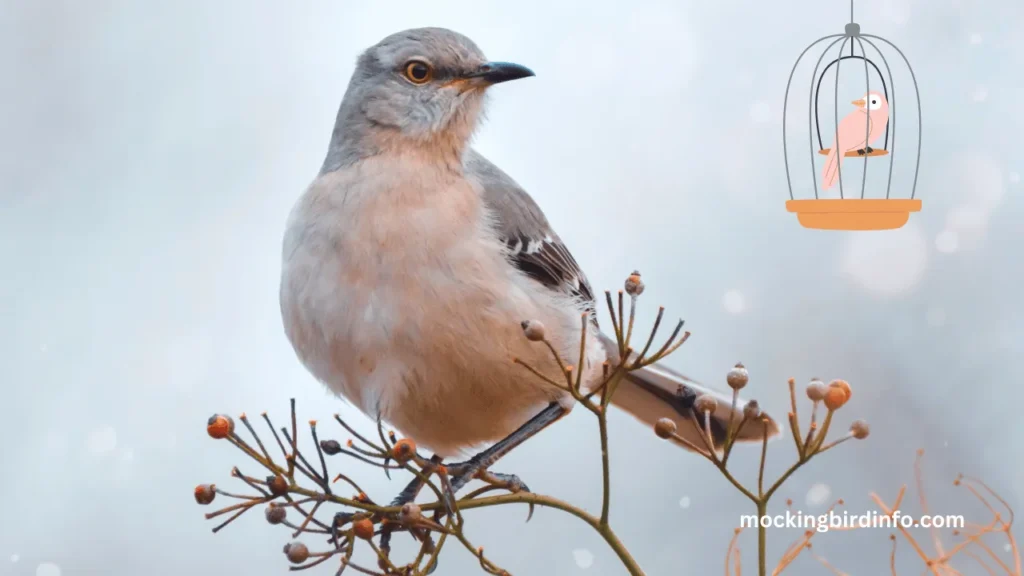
[150, 152]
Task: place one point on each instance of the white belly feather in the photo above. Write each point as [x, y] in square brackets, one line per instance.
[398, 298]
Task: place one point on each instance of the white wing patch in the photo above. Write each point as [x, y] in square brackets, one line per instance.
[549, 262]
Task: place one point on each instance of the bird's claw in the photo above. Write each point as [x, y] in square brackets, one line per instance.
[509, 482]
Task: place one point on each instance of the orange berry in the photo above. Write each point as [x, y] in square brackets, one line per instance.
[363, 528]
[220, 426]
[403, 450]
[843, 384]
[835, 398]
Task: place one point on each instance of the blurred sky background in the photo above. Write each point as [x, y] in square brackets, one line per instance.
[150, 153]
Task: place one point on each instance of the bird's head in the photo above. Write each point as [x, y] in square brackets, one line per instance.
[422, 85]
[872, 102]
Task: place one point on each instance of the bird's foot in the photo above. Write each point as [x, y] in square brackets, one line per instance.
[340, 520]
[464, 472]
[862, 152]
[870, 149]
[407, 496]
[434, 466]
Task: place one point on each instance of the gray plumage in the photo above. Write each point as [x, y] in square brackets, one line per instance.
[379, 106]
[534, 247]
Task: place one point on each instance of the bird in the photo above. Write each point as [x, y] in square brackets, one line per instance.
[856, 132]
[411, 261]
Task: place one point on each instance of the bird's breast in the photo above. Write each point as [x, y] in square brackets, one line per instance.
[386, 271]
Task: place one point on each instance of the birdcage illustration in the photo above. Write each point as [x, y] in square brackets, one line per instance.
[852, 177]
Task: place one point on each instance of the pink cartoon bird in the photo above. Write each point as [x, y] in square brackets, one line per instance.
[868, 120]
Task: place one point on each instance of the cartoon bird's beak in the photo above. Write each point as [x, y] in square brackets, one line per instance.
[498, 72]
[859, 103]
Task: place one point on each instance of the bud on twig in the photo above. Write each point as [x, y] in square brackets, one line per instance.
[665, 428]
[634, 286]
[297, 552]
[205, 493]
[278, 485]
[220, 426]
[276, 514]
[737, 377]
[410, 513]
[752, 411]
[816, 390]
[860, 429]
[534, 330]
[330, 447]
[705, 403]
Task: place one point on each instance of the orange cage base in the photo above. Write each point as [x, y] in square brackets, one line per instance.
[853, 213]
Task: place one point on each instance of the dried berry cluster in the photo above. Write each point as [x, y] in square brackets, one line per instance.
[833, 396]
[361, 518]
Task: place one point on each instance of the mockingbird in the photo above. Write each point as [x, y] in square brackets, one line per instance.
[411, 260]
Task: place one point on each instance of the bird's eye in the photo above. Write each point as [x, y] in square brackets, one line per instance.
[418, 72]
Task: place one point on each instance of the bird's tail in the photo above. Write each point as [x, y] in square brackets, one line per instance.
[831, 169]
[656, 392]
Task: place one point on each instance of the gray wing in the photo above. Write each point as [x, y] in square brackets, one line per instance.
[533, 246]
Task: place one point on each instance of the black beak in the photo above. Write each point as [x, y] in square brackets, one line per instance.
[498, 72]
